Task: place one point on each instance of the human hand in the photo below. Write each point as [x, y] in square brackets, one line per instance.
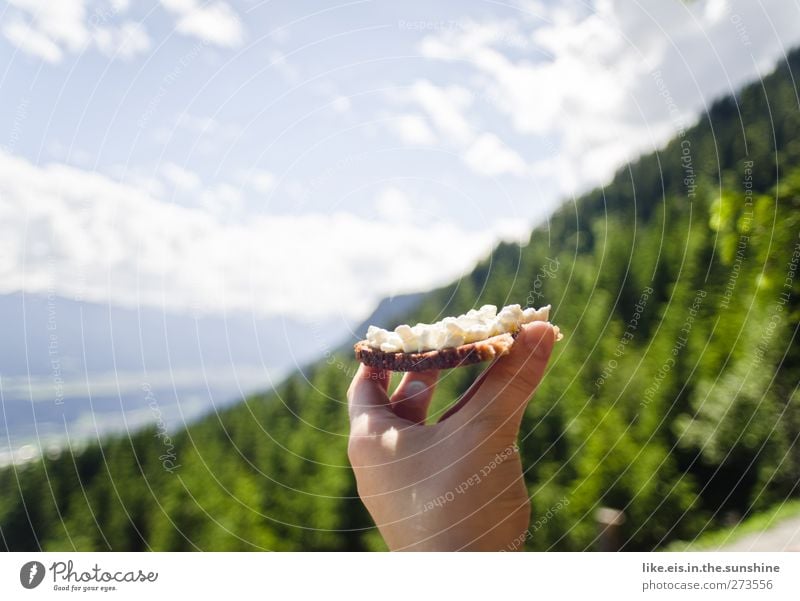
[456, 484]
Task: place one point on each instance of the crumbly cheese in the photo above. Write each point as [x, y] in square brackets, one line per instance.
[478, 324]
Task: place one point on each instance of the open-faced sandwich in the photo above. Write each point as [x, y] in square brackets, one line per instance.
[479, 335]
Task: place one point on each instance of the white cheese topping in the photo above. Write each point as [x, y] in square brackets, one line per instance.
[478, 324]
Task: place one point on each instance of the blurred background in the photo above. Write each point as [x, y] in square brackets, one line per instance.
[203, 204]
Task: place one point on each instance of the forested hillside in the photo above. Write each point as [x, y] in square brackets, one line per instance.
[673, 395]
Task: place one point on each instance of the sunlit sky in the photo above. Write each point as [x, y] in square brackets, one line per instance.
[309, 158]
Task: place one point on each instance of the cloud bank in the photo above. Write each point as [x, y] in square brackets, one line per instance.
[583, 86]
[79, 234]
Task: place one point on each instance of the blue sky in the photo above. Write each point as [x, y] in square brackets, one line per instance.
[310, 158]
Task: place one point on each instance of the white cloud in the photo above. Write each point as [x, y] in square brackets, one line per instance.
[445, 107]
[215, 23]
[341, 104]
[63, 22]
[412, 128]
[488, 155]
[587, 81]
[180, 178]
[393, 205]
[570, 96]
[125, 42]
[49, 29]
[224, 201]
[80, 233]
[259, 180]
[29, 40]
[715, 10]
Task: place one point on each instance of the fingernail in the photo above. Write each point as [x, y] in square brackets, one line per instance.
[544, 347]
[416, 387]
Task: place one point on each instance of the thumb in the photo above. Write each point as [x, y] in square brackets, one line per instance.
[506, 386]
[413, 397]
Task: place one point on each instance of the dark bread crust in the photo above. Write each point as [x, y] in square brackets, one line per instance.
[467, 354]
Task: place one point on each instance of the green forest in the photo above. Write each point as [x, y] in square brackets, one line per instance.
[672, 397]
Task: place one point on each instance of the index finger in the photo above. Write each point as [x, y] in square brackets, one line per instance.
[368, 392]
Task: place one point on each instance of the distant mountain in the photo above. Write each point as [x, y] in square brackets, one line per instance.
[389, 313]
[77, 369]
[40, 332]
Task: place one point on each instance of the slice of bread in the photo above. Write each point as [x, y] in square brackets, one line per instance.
[446, 358]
